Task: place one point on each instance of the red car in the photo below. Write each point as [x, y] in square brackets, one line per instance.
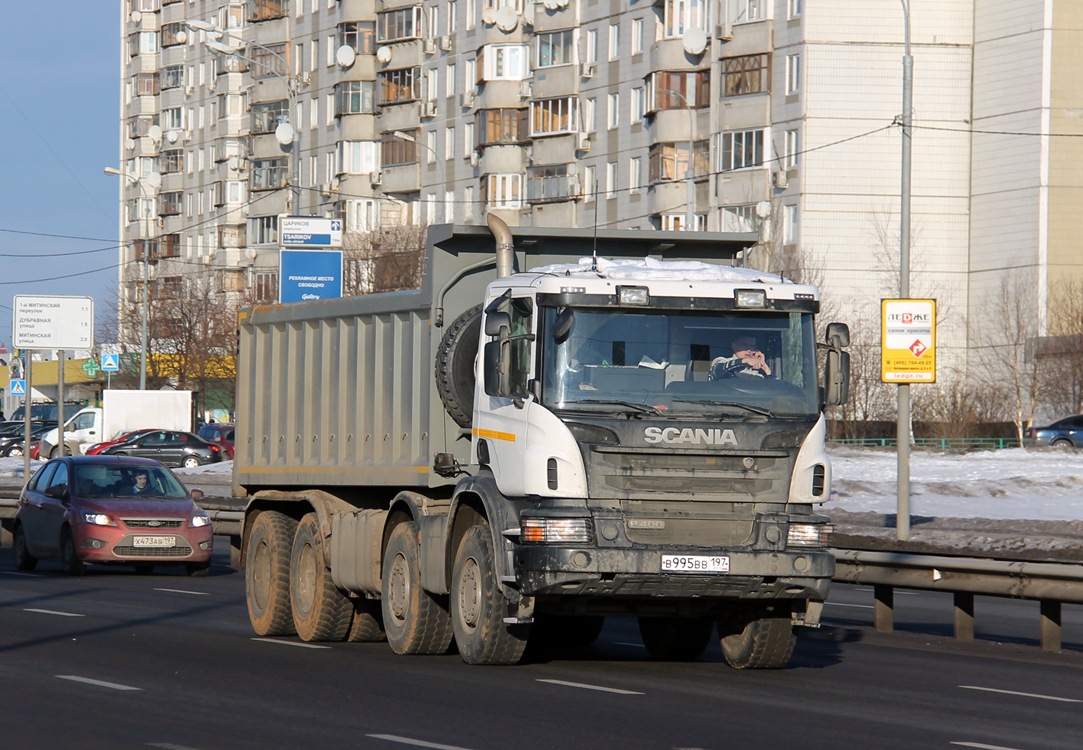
[110, 509]
[121, 438]
[217, 432]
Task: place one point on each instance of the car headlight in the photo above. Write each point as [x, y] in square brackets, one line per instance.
[199, 520]
[98, 519]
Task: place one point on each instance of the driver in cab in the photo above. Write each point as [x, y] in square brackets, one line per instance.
[746, 361]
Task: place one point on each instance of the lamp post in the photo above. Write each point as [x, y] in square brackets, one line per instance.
[286, 133]
[402, 135]
[689, 172]
[147, 186]
[902, 424]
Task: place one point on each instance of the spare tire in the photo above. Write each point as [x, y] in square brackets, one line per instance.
[455, 365]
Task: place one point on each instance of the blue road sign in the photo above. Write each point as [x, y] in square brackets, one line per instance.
[18, 387]
[306, 275]
[110, 363]
[310, 231]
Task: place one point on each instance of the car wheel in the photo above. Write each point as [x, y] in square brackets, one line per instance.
[191, 462]
[14, 452]
[23, 559]
[53, 453]
[1062, 443]
[69, 558]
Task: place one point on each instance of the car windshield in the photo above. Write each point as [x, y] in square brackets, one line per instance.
[119, 481]
[680, 363]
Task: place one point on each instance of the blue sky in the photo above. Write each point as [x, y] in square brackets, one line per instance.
[59, 127]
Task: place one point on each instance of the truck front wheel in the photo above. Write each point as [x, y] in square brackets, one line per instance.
[267, 573]
[415, 622]
[478, 607]
[320, 611]
[757, 637]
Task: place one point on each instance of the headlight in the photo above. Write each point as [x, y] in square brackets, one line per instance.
[555, 531]
[98, 519]
[199, 520]
[809, 534]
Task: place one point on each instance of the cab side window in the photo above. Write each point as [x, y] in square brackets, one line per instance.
[522, 324]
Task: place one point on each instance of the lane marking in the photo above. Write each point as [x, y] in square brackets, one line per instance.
[184, 591]
[20, 573]
[855, 606]
[98, 683]
[982, 746]
[288, 643]
[586, 686]
[1022, 695]
[628, 644]
[415, 743]
[54, 612]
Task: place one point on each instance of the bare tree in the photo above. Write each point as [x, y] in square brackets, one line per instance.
[388, 259]
[1061, 352]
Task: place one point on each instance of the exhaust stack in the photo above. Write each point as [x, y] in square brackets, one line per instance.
[505, 246]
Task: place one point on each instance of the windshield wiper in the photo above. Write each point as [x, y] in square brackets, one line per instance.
[637, 408]
[727, 404]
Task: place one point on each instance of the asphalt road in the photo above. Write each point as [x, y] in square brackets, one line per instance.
[115, 659]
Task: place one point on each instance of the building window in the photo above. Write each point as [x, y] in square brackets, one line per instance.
[748, 74]
[638, 103]
[172, 76]
[590, 183]
[172, 161]
[669, 90]
[360, 35]
[637, 36]
[266, 10]
[590, 110]
[236, 191]
[549, 183]
[502, 190]
[173, 34]
[792, 149]
[741, 149]
[613, 110]
[269, 174]
[358, 157]
[268, 60]
[614, 41]
[591, 50]
[793, 8]
[139, 125]
[555, 48]
[267, 115]
[146, 84]
[394, 151]
[611, 179]
[398, 86]
[677, 223]
[143, 43]
[548, 116]
[670, 161]
[501, 126]
[362, 215]
[789, 225]
[171, 203]
[743, 11]
[739, 218]
[172, 118]
[635, 174]
[231, 104]
[504, 62]
[399, 24]
[793, 74]
[355, 97]
[680, 15]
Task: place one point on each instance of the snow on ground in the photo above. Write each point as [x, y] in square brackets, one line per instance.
[1043, 484]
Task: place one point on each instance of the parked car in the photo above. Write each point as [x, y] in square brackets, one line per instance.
[170, 447]
[15, 445]
[1067, 432]
[95, 509]
[219, 433]
[124, 437]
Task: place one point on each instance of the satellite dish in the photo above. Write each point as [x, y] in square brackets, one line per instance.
[562, 3]
[182, 36]
[130, 143]
[383, 54]
[234, 162]
[154, 132]
[284, 133]
[136, 16]
[506, 19]
[171, 136]
[153, 180]
[695, 41]
[345, 55]
[488, 16]
[550, 4]
[763, 209]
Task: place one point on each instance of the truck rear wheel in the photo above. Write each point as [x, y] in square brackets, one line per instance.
[320, 611]
[478, 607]
[367, 624]
[757, 637]
[455, 365]
[675, 638]
[415, 622]
[267, 573]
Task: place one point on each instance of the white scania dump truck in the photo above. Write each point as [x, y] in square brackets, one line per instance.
[502, 456]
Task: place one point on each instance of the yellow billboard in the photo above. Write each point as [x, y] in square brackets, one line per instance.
[908, 340]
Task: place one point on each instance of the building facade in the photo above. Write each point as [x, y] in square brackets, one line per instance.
[775, 116]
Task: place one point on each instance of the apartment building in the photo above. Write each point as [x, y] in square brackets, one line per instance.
[772, 116]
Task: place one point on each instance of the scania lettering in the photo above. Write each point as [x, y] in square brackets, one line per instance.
[539, 438]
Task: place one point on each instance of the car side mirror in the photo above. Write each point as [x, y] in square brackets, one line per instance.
[198, 495]
[57, 492]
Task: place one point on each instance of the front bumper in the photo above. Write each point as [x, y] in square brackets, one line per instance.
[101, 544]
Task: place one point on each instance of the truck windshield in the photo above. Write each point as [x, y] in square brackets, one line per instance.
[680, 363]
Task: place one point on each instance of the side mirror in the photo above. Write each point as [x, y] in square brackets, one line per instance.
[837, 378]
[495, 322]
[57, 491]
[197, 495]
[495, 370]
[838, 335]
[563, 325]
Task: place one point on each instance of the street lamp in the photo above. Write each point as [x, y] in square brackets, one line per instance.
[285, 133]
[902, 423]
[689, 172]
[147, 185]
[402, 135]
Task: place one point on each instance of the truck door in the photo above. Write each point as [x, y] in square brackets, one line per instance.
[500, 428]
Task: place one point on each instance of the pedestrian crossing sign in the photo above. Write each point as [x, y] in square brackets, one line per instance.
[18, 387]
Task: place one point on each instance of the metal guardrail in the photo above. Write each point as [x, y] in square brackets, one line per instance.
[1050, 584]
[960, 444]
